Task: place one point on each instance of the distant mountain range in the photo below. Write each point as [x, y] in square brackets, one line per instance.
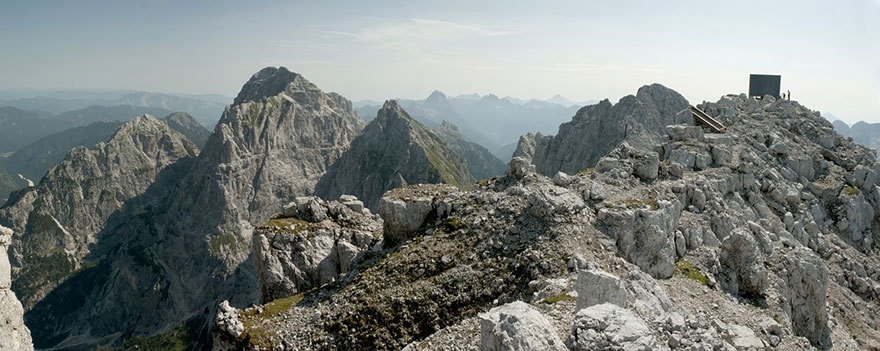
[205, 108]
[867, 134]
[493, 122]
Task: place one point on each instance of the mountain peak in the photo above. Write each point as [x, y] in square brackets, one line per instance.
[437, 97]
[268, 82]
[393, 147]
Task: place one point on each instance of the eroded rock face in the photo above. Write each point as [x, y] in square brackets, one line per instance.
[517, 326]
[597, 129]
[14, 335]
[311, 244]
[394, 150]
[742, 263]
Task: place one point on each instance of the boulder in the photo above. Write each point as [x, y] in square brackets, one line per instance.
[806, 280]
[517, 326]
[596, 286]
[609, 327]
[742, 262]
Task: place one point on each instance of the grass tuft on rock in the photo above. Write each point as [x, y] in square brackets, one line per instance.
[690, 271]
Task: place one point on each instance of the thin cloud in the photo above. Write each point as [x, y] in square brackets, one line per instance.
[418, 29]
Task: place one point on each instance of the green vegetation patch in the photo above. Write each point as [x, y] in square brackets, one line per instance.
[586, 172]
[174, 339]
[449, 172]
[689, 270]
[559, 298]
[452, 224]
[255, 331]
[644, 202]
[850, 190]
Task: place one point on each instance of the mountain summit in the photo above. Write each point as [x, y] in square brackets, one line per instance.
[597, 129]
[394, 150]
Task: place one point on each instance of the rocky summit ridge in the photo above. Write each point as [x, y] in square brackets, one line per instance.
[597, 129]
[759, 238]
[393, 150]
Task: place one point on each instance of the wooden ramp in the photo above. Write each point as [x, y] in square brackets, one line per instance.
[707, 120]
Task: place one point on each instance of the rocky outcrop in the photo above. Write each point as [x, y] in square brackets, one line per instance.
[481, 163]
[58, 223]
[14, 334]
[517, 326]
[406, 210]
[312, 243]
[597, 129]
[394, 150]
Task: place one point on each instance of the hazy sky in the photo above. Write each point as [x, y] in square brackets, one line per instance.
[828, 52]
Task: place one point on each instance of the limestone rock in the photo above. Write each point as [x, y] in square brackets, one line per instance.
[609, 327]
[644, 236]
[14, 335]
[807, 283]
[517, 326]
[684, 132]
[405, 210]
[188, 126]
[393, 146]
[311, 246]
[743, 262]
[597, 287]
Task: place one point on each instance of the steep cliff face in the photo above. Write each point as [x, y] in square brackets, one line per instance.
[393, 150]
[57, 222]
[169, 255]
[481, 163]
[597, 129]
[14, 335]
[762, 237]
